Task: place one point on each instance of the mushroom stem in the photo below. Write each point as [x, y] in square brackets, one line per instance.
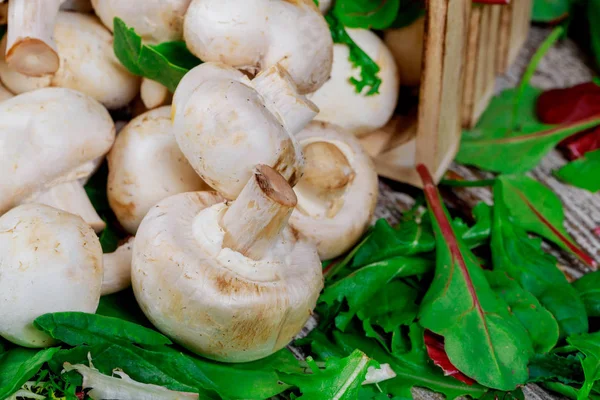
[281, 96]
[326, 167]
[153, 94]
[261, 211]
[71, 197]
[117, 268]
[30, 48]
[81, 6]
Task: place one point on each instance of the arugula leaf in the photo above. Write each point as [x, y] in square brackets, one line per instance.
[366, 14]
[341, 379]
[582, 172]
[546, 367]
[165, 63]
[523, 259]
[589, 345]
[78, 328]
[588, 287]
[368, 68]
[551, 11]
[539, 322]
[537, 209]
[17, 366]
[482, 339]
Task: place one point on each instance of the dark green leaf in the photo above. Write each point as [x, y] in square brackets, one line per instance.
[550, 10]
[366, 14]
[561, 388]
[17, 366]
[546, 367]
[498, 395]
[593, 14]
[123, 305]
[537, 209]
[369, 69]
[410, 11]
[589, 345]
[166, 63]
[482, 338]
[583, 172]
[77, 328]
[522, 258]
[588, 287]
[539, 322]
[109, 239]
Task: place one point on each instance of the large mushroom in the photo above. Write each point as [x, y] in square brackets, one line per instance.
[50, 261]
[338, 193]
[254, 35]
[87, 63]
[338, 100]
[230, 282]
[5, 94]
[406, 45]
[52, 140]
[225, 124]
[145, 166]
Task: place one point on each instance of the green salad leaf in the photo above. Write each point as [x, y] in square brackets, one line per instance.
[589, 345]
[366, 14]
[550, 11]
[588, 287]
[583, 172]
[593, 14]
[18, 365]
[547, 367]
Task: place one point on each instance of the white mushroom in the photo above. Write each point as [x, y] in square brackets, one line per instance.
[155, 21]
[5, 94]
[255, 34]
[87, 64]
[30, 48]
[324, 6]
[51, 141]
[232, 283]
[225, 124]
[338, 193]
[117, 268]
[153, 94]
[337, 99]
[50, 261]
[406, 45]
[82, 6]
[145, 166]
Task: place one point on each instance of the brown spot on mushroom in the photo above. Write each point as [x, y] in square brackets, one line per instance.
[126, 211]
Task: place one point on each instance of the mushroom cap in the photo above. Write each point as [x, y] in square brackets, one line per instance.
[324, 6]
[145, 166]
[5, 94]
[256, 34]
[224, 128]
[155, 21]
[213, 300]
[406, 45]
[334, 235]
[50, 261]
[87, 63]
[337, 99]
[49, 136]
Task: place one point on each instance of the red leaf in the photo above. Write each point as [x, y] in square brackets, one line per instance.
[80, 395]
[575, 147]
[435, 349]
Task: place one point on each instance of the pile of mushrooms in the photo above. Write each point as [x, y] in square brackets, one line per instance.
[233, 192]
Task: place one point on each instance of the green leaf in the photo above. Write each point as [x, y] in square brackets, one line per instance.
[498, 395]
[589, 345]
[369, 69]
[593, 14]
[165, 63]
[539, 322]
[77, 328]
[522, 258]
[561, 388]
[588, 287]
[366, 14]
[583, 172]
[546, 367]
[537, 209]
[17, 366]
[550, 10]
[410, 11]
[123, 305]
[482, 338]
[341, 379]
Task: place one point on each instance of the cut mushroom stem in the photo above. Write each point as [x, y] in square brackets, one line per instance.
[153, 94]
[71, 196]
[281, 96]
[30, 48]
[326, 168]
[117, 268]
[261, 211]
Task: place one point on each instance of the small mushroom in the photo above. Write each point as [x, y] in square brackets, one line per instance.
[153, 94]
[230, 282]
[253, 35]
[338, 193]
[155, 21]
[117, 268]
[225, 124]
[145, 166]
[337, 99]
[52, 140]
[50, 261]
[406, 45]
[87, 64]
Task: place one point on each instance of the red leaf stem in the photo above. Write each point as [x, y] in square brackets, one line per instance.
[437, 352]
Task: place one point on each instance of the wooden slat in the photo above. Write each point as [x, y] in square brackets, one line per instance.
[470, 63]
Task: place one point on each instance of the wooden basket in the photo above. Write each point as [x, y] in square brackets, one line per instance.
[457, 82]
